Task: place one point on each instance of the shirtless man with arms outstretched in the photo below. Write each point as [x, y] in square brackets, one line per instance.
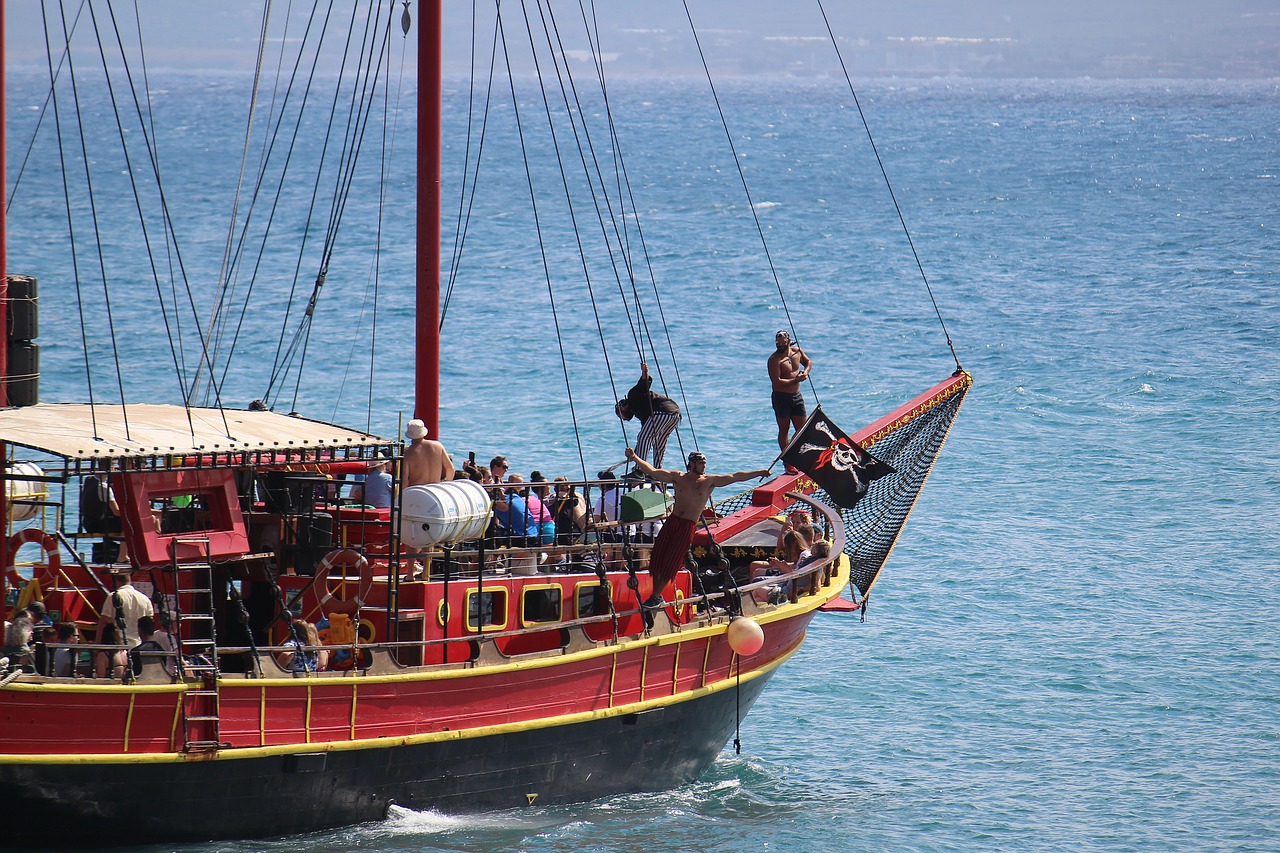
[693, 489]
[788, 367]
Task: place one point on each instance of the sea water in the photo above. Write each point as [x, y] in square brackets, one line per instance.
[1074, 645]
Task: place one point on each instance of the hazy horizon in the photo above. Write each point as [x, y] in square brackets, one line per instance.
[1092, 38]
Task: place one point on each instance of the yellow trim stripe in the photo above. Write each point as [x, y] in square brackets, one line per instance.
[355, 694]
[128, 721]
[92, 685]
[675, 670]
[918, 411]
[613, 679]
[176, 723]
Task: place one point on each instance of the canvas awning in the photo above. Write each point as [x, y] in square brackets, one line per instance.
[80, 431]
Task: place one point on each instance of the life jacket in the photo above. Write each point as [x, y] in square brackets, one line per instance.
[135, 654]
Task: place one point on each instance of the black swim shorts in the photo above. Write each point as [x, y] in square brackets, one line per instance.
[788, 405]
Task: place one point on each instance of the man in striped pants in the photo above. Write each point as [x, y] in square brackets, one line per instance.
[659, 416]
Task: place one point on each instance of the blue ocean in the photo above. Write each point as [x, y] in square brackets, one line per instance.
[1074, 644]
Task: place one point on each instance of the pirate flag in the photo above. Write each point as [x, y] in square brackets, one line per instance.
[833, 460]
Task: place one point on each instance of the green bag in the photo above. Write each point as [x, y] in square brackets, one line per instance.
[644, 505]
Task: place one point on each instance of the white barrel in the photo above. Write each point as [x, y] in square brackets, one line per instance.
[443, 513]
[25, 490]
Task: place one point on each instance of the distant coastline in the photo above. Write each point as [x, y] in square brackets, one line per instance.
[1236, 44]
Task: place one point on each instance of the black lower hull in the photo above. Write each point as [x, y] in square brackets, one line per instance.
[129, 803]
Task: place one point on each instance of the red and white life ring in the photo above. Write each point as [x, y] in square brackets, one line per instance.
[52, 556]
[348, 561]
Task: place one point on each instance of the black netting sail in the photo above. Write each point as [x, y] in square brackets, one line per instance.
[907, 442]
[910, 444]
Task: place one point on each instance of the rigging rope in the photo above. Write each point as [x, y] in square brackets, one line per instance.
[170, 236]
[463, 221]
[564, 180]
[291, 349]
[617, 220]
[611, 218]
[174, 345]
[902, 219]
[477, 130]
[298, 344]
[215, 318]
[246, 252]
[48, 98]
[387, 147]
[372, 294]
[737, 162]
[146, 126]
[97, 230]
[288, 160]
[376, 40]
[357, 118]
[542, 249]
[625, 193]
[66, 197]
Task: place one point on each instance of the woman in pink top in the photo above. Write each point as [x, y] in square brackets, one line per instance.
[538, 511]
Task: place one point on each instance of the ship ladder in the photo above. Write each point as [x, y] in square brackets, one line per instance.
[197, 651]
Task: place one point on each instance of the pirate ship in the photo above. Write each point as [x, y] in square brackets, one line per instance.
[510, 672]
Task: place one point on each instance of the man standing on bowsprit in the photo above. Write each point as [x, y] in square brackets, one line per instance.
[659, 416]
[788, 367]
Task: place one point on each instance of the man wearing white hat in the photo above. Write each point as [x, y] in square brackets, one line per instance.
[425, 461]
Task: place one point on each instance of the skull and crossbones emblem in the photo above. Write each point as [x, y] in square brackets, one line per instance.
[840, 453]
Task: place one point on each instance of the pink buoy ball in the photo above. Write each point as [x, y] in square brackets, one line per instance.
[745, 636]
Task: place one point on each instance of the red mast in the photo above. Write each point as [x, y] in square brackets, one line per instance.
[430, 93]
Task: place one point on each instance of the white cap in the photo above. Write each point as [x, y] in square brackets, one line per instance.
[415, 429]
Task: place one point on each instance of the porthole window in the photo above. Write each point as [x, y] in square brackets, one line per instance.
[540, 604]
[487, 609]
[592, 600]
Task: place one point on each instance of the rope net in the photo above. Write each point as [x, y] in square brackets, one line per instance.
[910, 444]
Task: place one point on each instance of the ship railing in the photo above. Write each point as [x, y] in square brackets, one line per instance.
[704, 608]
[709, 608]
[463, 562]
[805, 581]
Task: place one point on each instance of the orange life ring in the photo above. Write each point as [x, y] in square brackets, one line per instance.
[346, 559]
[52, 556]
